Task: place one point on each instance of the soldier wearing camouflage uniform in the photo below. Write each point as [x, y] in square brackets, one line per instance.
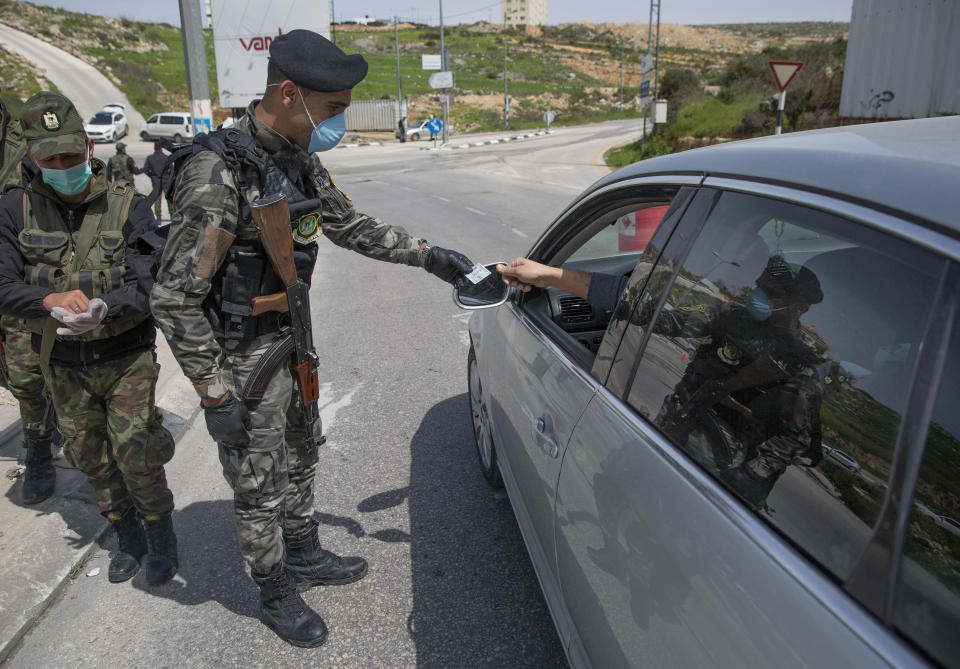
[76, 261]
[213, 264]
[25, 380]
[122, 167]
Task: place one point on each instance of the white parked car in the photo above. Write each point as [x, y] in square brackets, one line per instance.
[107, 125]
[177, 126]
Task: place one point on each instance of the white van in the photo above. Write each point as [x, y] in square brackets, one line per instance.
[177, 126]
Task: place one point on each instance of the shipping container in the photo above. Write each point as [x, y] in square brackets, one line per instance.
[903, 60]
[374, 115]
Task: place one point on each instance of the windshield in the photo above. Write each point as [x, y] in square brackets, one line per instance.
[101, 118]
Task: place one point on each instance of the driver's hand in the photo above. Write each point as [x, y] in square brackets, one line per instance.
[524, 274]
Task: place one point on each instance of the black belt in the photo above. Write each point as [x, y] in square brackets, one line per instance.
[83, 353]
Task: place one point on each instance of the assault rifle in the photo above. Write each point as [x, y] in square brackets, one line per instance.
[294, 345]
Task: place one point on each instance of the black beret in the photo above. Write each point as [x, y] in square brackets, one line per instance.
[312, 61]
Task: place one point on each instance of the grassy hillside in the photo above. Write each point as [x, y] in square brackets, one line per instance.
[740, 100]
[573, 70]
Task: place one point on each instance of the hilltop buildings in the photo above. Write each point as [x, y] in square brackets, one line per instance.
[524, 12]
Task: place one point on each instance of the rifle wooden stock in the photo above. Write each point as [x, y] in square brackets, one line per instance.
[264, 303]
[272, 216]
[308, 382]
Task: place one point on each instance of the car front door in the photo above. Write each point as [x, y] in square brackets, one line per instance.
[542, 379]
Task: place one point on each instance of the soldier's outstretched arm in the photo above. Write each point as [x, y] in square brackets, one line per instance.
[204, 222]
[375, 239]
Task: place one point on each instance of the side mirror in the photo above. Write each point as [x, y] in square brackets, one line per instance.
[491, 291]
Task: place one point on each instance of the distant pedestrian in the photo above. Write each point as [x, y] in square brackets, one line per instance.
[402, 130]
[153, 168]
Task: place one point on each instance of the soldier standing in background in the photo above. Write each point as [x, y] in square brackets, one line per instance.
[214, 264]
[75, 259]
[25, 380]
[122, 167]
[153, 168]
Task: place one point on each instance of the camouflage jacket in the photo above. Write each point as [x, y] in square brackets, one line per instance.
[19, 298]
[206, 221]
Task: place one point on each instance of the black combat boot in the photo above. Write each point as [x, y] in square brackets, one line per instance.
[312, 565]
[283, 610]
[161, 562]
[39, 476]
[132, 544]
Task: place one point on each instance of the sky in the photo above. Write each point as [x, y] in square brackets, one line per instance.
[559, 11]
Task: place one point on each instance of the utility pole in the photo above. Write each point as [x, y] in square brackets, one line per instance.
[396, 37]
[621, 73]
[333, 20]
[443, 64]
[506, 99]
[195, 56]
[653, 97]
[621, 68]
[656, 59]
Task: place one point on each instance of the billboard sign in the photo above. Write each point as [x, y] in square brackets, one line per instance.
[242, 34]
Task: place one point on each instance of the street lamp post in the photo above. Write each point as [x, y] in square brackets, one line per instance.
[506, 98]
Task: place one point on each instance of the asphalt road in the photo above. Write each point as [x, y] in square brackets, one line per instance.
[450, 582]
[86, 87]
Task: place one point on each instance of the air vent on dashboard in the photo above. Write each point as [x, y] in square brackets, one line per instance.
[575, 309]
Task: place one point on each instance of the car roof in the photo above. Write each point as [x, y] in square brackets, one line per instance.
[909, 167]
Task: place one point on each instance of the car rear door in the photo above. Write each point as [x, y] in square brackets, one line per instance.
[664, 556]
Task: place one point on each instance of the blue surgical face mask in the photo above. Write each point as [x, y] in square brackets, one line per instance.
[71, 180]
[759, 305]
[326, 135]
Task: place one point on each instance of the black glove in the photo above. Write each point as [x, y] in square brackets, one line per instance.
[228, 421]
[446, 264]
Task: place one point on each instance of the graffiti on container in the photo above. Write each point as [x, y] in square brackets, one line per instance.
[877, 101]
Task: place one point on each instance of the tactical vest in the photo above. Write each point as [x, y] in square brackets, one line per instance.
[246, 271]
[119, 168]
[90, 259]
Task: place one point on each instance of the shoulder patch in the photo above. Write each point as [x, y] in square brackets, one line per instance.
[308, 229]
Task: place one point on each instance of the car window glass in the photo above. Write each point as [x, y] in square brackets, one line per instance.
[780, 362]
[101, 118]
[152, 119]
[608, 236]
[928, 602]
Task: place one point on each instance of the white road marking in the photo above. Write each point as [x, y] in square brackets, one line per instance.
[475, 211]
[329, 405]
[517, 232]
[440, 198]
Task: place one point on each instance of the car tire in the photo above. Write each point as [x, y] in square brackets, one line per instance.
[144, 136]
[414, 137]
[482, 435]
[178, 138]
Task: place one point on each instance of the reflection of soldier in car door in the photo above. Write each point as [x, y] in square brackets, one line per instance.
[749, 402]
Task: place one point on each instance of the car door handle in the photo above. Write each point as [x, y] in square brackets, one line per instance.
[541, 427]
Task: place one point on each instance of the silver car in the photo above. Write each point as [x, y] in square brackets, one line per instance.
[661, 448]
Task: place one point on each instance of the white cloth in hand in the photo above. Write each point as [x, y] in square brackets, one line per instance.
[85, 321]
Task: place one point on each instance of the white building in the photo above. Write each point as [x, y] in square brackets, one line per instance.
[524, 12]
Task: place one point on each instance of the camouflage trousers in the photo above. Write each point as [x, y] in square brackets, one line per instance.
[272, 474]
[26, 380]
[113, 432]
